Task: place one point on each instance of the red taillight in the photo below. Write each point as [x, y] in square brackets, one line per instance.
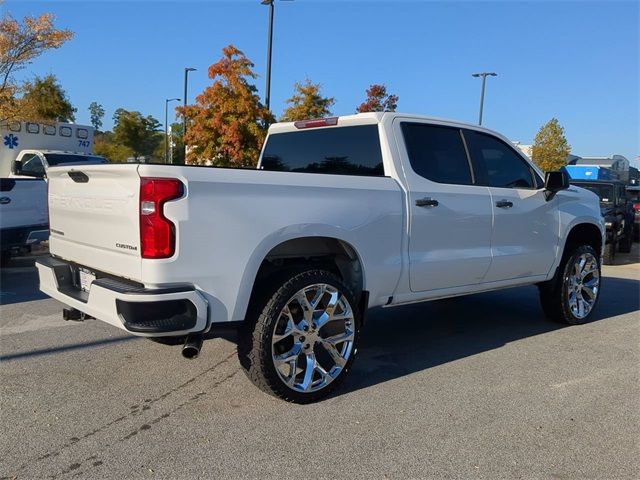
[157, 234]
[636, 206]
[320, 122]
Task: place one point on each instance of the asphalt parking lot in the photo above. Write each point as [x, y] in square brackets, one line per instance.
[476, 387]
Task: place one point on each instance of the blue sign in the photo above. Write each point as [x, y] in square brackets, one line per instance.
[10, 141]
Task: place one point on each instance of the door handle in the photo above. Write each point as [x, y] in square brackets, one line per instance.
[504, 204]
[5, 200]
[427, 202]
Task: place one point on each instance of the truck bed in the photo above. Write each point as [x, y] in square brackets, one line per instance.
[226, 222]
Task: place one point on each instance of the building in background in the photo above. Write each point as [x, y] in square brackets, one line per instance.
[613, 167]
[526, 149]
[618, 164]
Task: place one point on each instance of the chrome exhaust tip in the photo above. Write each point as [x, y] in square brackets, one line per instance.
[192, 346]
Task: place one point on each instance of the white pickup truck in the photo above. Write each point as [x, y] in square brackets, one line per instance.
[342, 215]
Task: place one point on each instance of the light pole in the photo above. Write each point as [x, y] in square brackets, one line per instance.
[184, 114]
[484, 76]
[166, 127]
[267, 96]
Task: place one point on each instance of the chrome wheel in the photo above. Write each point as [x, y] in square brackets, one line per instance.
[584, 282]
[313, 338]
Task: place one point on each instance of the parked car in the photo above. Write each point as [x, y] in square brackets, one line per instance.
[617, 212]
[633, 196]
[341, 215]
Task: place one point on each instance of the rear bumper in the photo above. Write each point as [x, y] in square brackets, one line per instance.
[160, 312]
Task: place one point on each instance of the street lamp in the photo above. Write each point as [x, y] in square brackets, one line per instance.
[166, 127]
[184, 114]
[484, 76]
[267, 97]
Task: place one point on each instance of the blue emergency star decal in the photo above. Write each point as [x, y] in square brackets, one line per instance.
[11, 141]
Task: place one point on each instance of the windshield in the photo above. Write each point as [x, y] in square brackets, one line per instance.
[604, 192]
[54, 159]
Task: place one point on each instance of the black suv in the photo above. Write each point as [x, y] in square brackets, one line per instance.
[617, 212]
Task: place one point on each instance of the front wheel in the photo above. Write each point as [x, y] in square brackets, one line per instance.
[627, 242]
[300, 341]
[572, 296]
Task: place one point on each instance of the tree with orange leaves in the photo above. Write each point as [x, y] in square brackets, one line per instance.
[228, 124]
[378, 100]
[20, 43]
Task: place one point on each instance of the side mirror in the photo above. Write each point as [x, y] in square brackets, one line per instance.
[554, 182]
[17, 167]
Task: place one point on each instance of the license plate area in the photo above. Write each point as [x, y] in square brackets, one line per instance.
[85, 279]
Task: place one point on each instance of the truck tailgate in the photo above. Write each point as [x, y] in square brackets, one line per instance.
[94, 217]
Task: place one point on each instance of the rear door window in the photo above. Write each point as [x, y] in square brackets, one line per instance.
[339, 151]
[437, 153]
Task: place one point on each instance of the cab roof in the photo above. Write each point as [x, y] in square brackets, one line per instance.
[368, 119]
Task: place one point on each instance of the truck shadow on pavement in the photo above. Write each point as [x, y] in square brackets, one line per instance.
[67, 348]
[403, 340]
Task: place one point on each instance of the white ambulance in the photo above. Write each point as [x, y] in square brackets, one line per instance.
[27, 150]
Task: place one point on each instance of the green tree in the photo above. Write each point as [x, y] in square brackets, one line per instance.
[138, 133]
[48, 100]
[177, 139]
[104, 144]
[116, 115]
[307, 102]
[550, 147]
[20, 43]
[97, 114]
[228, 124]
[378, 100]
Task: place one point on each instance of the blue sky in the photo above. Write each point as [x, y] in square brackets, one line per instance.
[577, 61]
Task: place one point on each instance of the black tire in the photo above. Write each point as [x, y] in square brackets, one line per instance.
[626, 243]
[554, 294]
[609, 254]
[255, 348]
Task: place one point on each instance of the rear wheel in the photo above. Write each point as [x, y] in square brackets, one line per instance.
[572, 296]
[300, 340]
